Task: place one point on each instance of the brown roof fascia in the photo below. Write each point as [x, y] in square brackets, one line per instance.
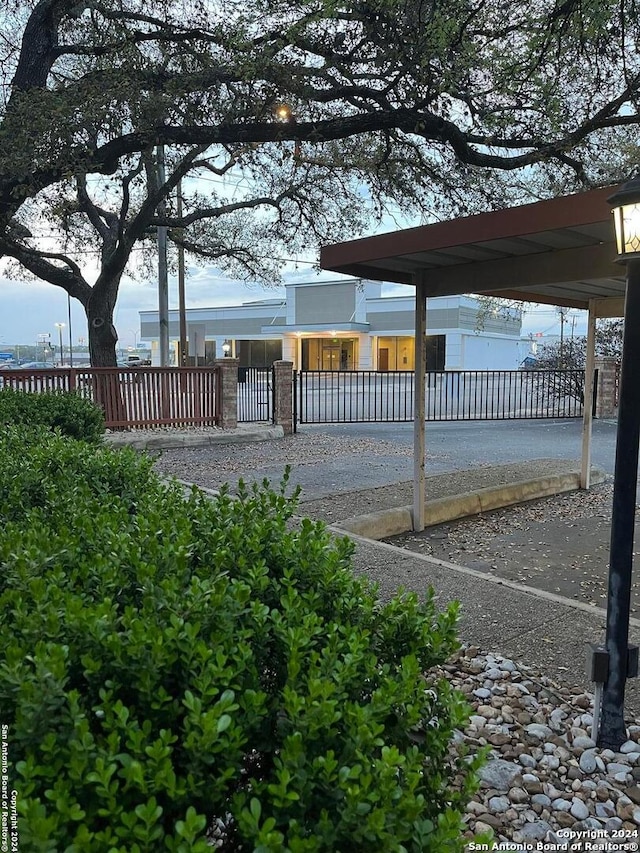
[562, 212]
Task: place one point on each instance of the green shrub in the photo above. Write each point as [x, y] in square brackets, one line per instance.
[70, 413]
[181, 665]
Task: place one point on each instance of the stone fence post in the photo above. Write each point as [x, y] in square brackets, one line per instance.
[228, 392]
[606, 401]
[283, 395]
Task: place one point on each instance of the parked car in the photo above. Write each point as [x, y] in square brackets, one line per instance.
[529, 363]
[36, 365]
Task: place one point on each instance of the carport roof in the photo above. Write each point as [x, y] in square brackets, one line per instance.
[559, 251]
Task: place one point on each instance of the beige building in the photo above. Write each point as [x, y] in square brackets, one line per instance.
[347, 325]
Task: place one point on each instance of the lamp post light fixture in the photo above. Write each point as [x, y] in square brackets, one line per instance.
[283, 112]
[60, 327]
[621, 661]
[226, 349]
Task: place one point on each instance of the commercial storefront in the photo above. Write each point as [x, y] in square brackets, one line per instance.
[347, 325]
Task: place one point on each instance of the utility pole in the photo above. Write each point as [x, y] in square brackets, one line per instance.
[163, 278]
[182, 312]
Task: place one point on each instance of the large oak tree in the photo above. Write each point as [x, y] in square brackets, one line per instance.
[442, 106]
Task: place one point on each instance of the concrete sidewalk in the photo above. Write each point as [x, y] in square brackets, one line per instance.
[539, 628]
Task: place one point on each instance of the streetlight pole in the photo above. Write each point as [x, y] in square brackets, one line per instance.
[60, 327]
[612, 731]
[70, 337]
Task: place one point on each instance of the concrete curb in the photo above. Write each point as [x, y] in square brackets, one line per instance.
[391, 522]
[167, 441]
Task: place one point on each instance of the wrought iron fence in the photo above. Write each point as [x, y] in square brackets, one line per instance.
[255, 394]
[133, 397]
[369, 396]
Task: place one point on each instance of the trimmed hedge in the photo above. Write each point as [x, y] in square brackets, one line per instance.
[68, 412]
[176, 666]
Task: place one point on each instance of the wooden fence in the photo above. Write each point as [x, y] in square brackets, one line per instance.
[133, 396]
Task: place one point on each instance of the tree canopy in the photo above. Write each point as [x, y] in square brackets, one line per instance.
[326, 112]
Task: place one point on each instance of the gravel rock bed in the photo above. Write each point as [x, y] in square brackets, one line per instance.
[212, 466]
[545, 780]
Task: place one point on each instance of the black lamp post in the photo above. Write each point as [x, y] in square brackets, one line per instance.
[620, 664]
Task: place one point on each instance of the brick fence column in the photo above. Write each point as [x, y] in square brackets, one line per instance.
[228, 389]
[283, 394]
[606, 403]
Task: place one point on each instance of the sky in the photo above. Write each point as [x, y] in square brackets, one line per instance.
[32, 308]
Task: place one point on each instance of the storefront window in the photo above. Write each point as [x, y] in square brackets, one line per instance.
[398, 353]
[329, 353]
[260, 353]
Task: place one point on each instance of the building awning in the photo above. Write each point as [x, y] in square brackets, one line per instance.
[558, 252]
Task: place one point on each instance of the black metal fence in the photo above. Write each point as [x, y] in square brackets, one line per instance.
[255, 394]
[369, 396]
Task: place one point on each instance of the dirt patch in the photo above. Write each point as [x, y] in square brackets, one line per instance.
[558, 544]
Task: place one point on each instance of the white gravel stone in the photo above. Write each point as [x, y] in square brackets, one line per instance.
[482, 693]
[540, 800]
[588, 761]
[533, 831]
[614, 767]
[579, 809]
[499, 804]
[583, 742]
[494, 674]
[499, 774]
[538, 731]
[605, 810]
[544, 774]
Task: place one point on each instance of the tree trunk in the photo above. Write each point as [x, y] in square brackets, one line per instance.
[102, 333]
[107, 389]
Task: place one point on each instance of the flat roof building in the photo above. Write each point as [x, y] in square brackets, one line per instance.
[347, 325]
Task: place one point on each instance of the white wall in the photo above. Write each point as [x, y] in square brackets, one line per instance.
[290, 346]
[488, 353]
[365, 352]
[453, 353]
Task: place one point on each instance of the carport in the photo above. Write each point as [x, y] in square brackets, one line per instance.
[559, 252]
